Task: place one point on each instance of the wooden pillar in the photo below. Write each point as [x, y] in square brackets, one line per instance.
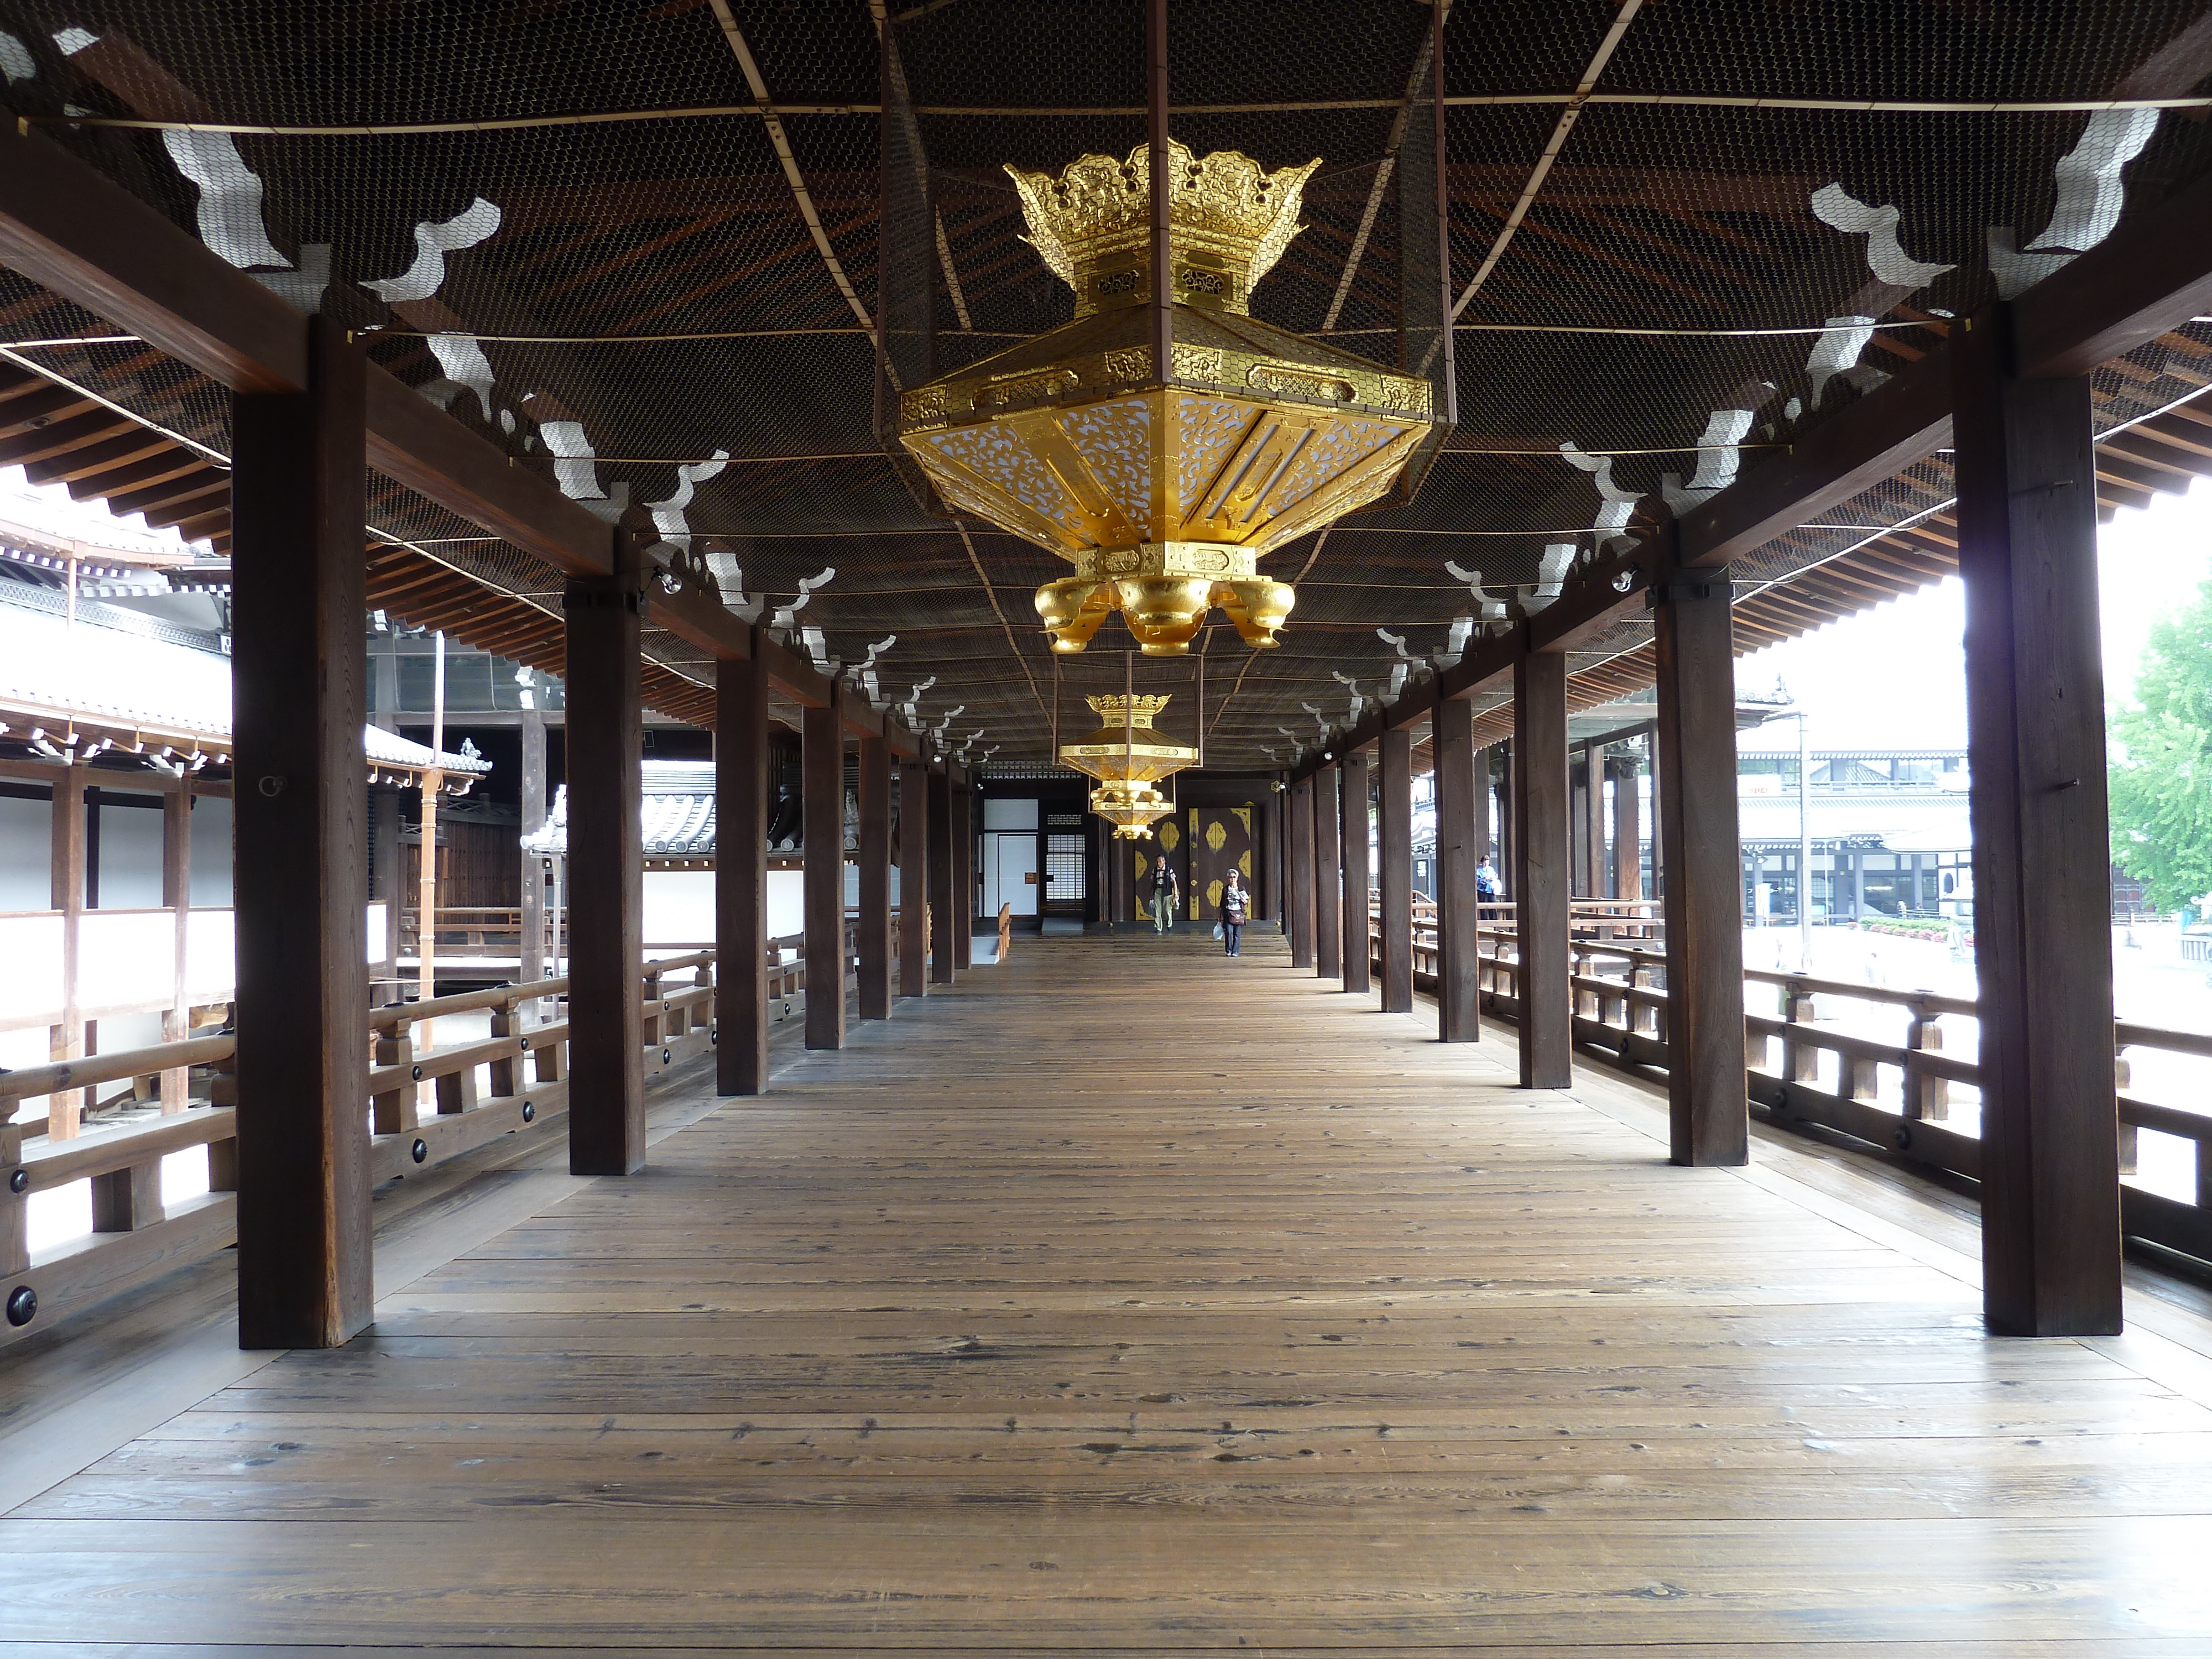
[741, 784]
[1628, 827]
[389, 856]
[66, 883]
[1357, 854]
[1705, 1089]
[1461, 787]
[605, 871]
[1594, 880]
[2035, 701]
[1394, 826]
[177, 899]
[914, 878]
[940, 876]
[1541, 855]
[1484, 787]
[822, 803]
[1328, 875]
[1298, 894]
[961, 797]
[298, 673]
[1507, 818]
[1577, 821]
[875, 923]
[530, 964]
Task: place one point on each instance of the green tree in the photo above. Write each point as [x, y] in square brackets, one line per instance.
[2161, 761]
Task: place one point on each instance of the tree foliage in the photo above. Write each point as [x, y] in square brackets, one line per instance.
[2161, 761]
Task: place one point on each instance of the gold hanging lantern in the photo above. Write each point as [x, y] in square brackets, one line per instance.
[1128, 758]
[1165, 486]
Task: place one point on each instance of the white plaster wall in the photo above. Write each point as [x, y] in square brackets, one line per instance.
[130, 857]
[27, 845]
[210, 850]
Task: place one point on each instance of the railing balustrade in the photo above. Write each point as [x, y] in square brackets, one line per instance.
[423, 1107]
[1893, 1096]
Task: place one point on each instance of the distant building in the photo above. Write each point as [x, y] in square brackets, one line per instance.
[1890, 832]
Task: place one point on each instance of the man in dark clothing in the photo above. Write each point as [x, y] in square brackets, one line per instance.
[1165, 894]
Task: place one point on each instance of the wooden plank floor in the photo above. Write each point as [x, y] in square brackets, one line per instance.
[1127, 1298]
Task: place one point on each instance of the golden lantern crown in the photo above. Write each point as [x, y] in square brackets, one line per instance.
[1125, 750]
[1163, 483]
[1229, 221]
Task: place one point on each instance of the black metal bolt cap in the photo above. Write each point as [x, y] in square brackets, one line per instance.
[19, 1181]
[22, 1306]
[529, 1113]
[421, 1150]
[418, 1073]
[667, 1056]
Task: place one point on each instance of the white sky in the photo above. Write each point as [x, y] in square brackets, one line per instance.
[1897, 674]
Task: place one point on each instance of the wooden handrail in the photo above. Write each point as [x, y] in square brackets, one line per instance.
[31, 1080]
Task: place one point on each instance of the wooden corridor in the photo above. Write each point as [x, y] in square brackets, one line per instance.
[1128, 1298]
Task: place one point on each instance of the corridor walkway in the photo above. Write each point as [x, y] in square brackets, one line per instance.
[1129, 1297]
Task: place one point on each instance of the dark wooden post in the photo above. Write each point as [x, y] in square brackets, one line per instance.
[1705, 1091]
[1508, 819]
[1395, 828]
[962, 799]
[1298, 894]
[875, 928]
[1461, 831]
[1628, 827]
[529, 957]
[1358, 853]
[2035, 701]
[1577, 821]
[298, 675]
[940, 876]
[1542, 853]
[66, 878]
[605, 750]
[741, 762]
[1328, 875]
[1593, 882]
[822, 808]
[914, 878]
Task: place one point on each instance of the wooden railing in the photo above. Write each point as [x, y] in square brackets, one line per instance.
[475, 928]
[424, 1109]
[1893, 1096]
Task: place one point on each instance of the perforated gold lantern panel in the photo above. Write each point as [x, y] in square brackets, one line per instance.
[1165, 488]
[1125, 751]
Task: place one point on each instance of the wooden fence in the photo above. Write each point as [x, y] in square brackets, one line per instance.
[1621, 1016]
[423, 1108]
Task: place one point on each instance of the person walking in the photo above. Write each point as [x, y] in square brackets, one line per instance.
[1485, 880]
[1166, 895]
[1234, 905]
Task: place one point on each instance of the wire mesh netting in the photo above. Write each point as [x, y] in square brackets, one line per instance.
[646, 249]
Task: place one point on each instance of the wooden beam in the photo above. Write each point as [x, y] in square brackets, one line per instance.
[1707, 1108]
[1357, 854]
[1628, 827]
[2152, 275]
[66, 226]
[2035, 736]
[604, 744]
[1298, 912]
[1328, 874]
[940, 876]
[875, 919]
[913, 878]
[1460, 833]
[1395, 832]
[1541, 856]
[298, 668]
[963, 830]
[741, 786]
[822, 801]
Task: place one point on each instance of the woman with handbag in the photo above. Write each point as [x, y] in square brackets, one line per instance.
[1234, 906]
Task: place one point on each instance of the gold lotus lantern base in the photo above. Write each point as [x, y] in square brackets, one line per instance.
[1129, 758]
[1132, 809]
[1163, 483]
